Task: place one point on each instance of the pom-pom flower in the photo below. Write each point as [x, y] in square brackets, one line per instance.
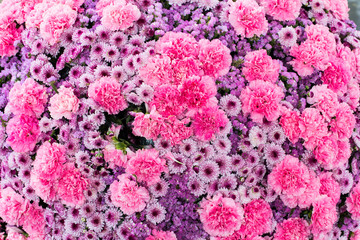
[353, 202]
[63, 104]
[293, 228]
[282, 10]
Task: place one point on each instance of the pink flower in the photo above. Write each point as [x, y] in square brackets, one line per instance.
[167, 101]
[354, 93]
[289, 121]
[177, 45]
[259, 66]
[14, 235]
[215, 58]
[221, 216]
[313, 127]
[290, 177]
[33, 222]
[107, 92]
[55, 20]
[257, 219]
[72, 186]
[175, 130]
[344, 122]
[8, 36]
[12, 206]
[321, 37]
[101, 4]
[128, 196]
[148, 125]
[43, 187]
[63, 104]
[185, 68]
[146, 165]
[324, 215]
[324, 99]
[160, 235]
[329, 186]
[22, 132]
[353, 202]
[115, 157]
[120, 15]
[248, 18]
[28, 98]
[356, 235]
[291, 229]
[282, 10]
[207, 122]
[339, 8]
[35, 17]
[337, 75]
[157, 71]
[262, 99]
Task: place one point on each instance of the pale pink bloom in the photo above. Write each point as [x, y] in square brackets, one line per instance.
[291, 229]
[148, 125]
[120, 15]
[290, 177]
[43, 187]
[161, 235]
[103, 4]
[282, 10]
[22, 132]
[257, 219]
[146, 165]
[337, 75]
[71, 186]
[313, 127]
[127, 195]
[35, 17]
[107, 92]
[175, 130]
[63, 104]
[157, 71]
[324, 215]
[348, 56]
[14, 235]
[184, 68]
[324, 99]
[28, 98]
[115, 157]
[215, 58]
[177, 45]
[339, 8]
[8, 36]
[329, 186]
[354, 93]
[287, 36]
[221, 216]
[353, 202]
[289, 121]
[12, 206]
[356, 52]
[321, 37]
[33, 221]
[74, 4]
[260, 66]
[262, 99]
[344, 122]
[55, 20]
[247, 18]
[207, 122]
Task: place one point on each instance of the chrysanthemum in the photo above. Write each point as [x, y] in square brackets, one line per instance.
[222, 145]
[287, 36]
[102, 71]
[112, 216]
[178, 164]
[223, 162]
[155, 213]
[111, 53]
[274, 153]
[159, 189]
[95, 222]
[257, 136]
[208, 171]
[277, 135]
[119, 73]
[188, 147]
[75, 228]
[196, 186]
[102, 33]
[228, 182]
[87, 210]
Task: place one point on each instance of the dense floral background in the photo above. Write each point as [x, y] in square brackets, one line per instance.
[163, 120]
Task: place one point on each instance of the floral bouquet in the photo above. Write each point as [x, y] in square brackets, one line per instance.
[179, 119]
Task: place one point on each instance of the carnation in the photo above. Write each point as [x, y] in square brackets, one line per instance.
[329, 187]
[12, 206]
[344, 122]
[291, 229]
[282, 10]
[324, 215]
[148, 125]
[8, 36]
[353, 202]
[289, 121]
[115, 157]
[63, 104]
[161, 235]
[324, 99]
[337, 75]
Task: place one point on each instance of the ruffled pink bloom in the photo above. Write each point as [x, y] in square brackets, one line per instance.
[290, 177]
[12, 206]
[33, 222]
[128, 196]
[262, 99]
[28, 98]
[101, 4]
[260, 66]
[160, 235]
[289, 121]
[148, 125]
[74, 4]
[292, 229]
[120, 15]
[63, 104]
[354, 93]
[257, 219]
[71, 186]
[177, 45]
[8, 36]
[207, 122]
[107, 92]
[175, 130]
[167, 101]
[339, 8]
[356, 235]
[23, 132]
[157, 71]
[324, 215]
[215, 58]
[185, 68]
[146, 165]
[14, 235]
[324, 99]
[282, 10]
[43, 187]
[344, 122]
[248, 18]
[55, 20]
[35, 17]
[329, 186]
[337, 75]
[313, 127]
[353, 202]
[321, 37]
[332, 153]
[221, 216]
[115, 157]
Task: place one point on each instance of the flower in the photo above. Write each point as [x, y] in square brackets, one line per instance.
[324, 99]
[289, 121]
[287, 36]
[292, 228]
[344, 122]
[28, 98]
[329, 186]
[146, 165]
[107, 92]
[221, 216]
[63, 104]
[353, 202]
[115, 157]
[282, 10]
[337, 75]
[324, 215]
[8, 36]
[261, 99]
[127, 195]
[161, 235]
[12, 206]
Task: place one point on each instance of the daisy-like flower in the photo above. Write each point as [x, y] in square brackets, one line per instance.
[155, 213]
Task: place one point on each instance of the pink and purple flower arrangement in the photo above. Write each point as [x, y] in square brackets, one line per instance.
[179, 119]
